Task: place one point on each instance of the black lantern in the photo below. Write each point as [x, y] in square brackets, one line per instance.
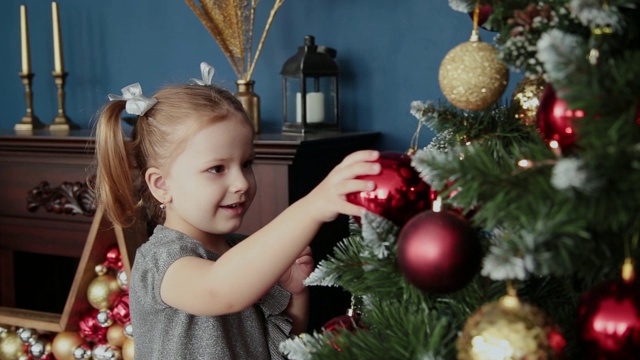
[310, 90]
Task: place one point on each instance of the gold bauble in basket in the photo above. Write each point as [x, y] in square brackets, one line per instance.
[10, 345]
[103, 291]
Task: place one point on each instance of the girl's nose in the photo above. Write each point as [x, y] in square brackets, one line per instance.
[240, 182]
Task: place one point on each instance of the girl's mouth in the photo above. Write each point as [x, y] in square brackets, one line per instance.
[235, 208]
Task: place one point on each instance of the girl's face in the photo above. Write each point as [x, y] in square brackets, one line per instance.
[211, 183]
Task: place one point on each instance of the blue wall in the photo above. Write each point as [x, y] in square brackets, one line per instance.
[389, 52]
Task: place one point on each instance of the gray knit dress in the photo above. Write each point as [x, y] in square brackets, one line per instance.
[163, 332]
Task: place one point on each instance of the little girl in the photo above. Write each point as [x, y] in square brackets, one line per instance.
[197, 290]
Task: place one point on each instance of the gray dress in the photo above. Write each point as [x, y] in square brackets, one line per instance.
[163, 332]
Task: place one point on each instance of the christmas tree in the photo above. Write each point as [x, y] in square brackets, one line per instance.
[524, 243]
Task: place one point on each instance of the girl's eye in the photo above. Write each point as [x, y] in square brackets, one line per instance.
[247, 164]
[216, 169]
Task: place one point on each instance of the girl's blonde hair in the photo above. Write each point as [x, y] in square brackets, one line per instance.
[156, 138]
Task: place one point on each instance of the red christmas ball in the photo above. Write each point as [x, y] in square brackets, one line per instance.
[556, 122]
[90, 329]
[609, 321]
[439, 252]
[485, 11]
[120, 311]
[348, 322]
[400, 192]
[113, 258]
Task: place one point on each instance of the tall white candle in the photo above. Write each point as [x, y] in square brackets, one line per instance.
[57, 41]
[315, 107]
[24, 40]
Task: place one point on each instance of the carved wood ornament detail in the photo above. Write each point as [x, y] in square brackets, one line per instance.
[71, 198]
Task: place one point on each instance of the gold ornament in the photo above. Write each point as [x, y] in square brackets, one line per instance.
[471, 76]
[64, 344]
[103, 291]
[10, 346]
[116, 335]
[526, 98]
[127, 349]
[510, 329]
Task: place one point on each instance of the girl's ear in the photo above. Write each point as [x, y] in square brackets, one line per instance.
[157, 184]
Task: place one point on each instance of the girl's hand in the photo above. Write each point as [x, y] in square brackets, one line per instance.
[329, 199]
[293, 277]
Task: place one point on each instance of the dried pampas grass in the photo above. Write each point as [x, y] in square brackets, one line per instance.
[230, 22]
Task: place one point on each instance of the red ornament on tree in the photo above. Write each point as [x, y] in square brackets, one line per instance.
[348, 322]
[400, 193]
[484, 12]
[439, 252]
[609, 321]
[556, 122]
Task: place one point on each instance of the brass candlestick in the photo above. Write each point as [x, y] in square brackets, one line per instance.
[60, 123]
[29, 122]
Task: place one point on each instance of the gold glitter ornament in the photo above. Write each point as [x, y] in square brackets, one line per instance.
[471, 75]
[526, 98]
[510, 329]
[10, 345]
[103, 291]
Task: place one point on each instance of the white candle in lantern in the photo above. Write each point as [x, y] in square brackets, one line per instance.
[315, 107]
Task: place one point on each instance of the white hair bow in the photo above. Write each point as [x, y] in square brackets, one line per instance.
[137, 104]
[207, 74]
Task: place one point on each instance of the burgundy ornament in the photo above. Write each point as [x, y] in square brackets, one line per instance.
[556, 122]
[341, 322]
[609, 321]
[349, 321]
[484, 13]
[439, 252]
[400, 193]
